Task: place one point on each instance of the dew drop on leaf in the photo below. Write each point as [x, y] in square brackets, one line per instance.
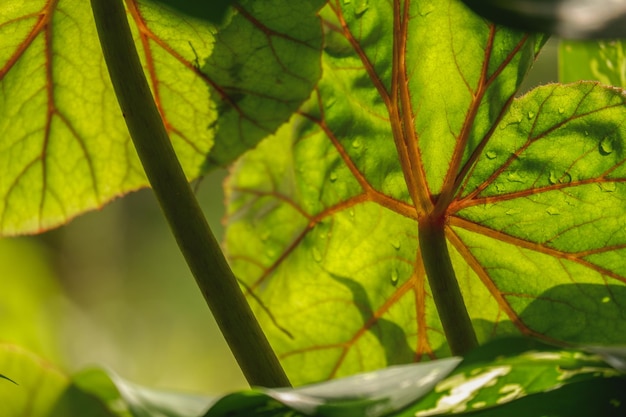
[270, 253]
[552, 211]
[394, 276]
[607, 187]
[553, 178]
[561, 110]
[356, 144]
[395, 244]
[606, 146]
[333, 176]
[351, 212]
[531, 115]
[361, 7]
[491, 155]
[514, 177]
[317, 255]
[566, 178]
[606, 299]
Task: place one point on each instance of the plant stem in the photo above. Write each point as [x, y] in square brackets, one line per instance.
[187, 222]
[456, 322]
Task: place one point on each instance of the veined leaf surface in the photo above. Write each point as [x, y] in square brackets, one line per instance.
[64, 147]
[415, 119]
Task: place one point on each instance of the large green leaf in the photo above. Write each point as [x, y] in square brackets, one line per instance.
[603, 61]
[415, 118]
[510, 377]
[132, 400]
[42, 391]
[64, 147]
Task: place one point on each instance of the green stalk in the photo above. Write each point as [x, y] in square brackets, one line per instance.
[187, 222]
[456, 322]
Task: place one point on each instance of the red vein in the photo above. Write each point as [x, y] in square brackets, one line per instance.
[491, 286]
[533, 246]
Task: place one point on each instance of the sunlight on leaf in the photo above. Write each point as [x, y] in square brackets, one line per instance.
[415, 114]
[65, 148]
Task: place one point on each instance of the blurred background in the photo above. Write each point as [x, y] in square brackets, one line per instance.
[111, 289]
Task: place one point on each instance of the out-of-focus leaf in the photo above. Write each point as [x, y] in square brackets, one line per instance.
[125, 397]
[30, 313]
[603, 61]
[41, 390]
[64, 147]
[613, 355]
[573, 19]
[509, 377]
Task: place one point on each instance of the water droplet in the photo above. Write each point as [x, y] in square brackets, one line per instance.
[395, 244]
[356, 144]
[351, 212]
[514, 177]
[553, 178]
[333, 176]
[531, 115]
[553, 211]
[361, 8]
[606, 299]
[607, 187]
[606, 146]
[565, 178]
[491, 155]
[561, 110]
[394, 276]
[270, 254]
[317, 255]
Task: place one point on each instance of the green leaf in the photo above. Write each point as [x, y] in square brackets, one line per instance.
[508, 377]
[41, 390]
[323, 217]
[372, 394]
[64, 146]
[501, 373]
[125, 397]
[603, 61]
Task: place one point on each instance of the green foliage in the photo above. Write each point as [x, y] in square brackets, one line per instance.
[324, 215]
[65, 148]
[510, 377]
[414, 122]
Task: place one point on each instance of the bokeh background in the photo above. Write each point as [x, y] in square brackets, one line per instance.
[111, 289]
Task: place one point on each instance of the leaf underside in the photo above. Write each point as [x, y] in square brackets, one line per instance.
[64, 147]
[415, 116]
